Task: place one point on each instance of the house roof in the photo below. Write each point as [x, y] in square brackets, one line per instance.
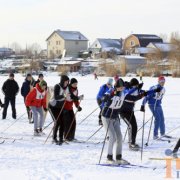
[5, 49]
[144, 50]
[145, 39]
[164, 47]
[70, 35]
[108, 43]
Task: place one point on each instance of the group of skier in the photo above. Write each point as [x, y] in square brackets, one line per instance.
[115, 101]
[118, 103]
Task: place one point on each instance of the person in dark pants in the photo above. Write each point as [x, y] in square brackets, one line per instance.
[176, 148]
[25, 89]
[103, 89]
[56, 106]
[10, 89]
[69, 118]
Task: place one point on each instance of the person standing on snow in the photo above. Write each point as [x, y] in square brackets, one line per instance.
[113, 101]
[154, 101]
[10, 89]
[36, 101]
[69, 118]
[56, 106]
[103, 89]
[25, 89]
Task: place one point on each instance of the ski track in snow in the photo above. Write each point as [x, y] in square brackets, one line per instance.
[29, 158]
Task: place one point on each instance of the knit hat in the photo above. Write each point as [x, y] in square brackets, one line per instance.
[73, 80]
[119, 83]
[161, 79]
[11, 75]
[110, 81]
[42, 83]
[134, 82]
[28, 75]
[41, 75]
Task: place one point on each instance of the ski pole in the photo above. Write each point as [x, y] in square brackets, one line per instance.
[88, 115]
[93, 134]
[55, 122]
[13, 123]
[105, 137]
[151, 124]
[142, 144]
[144, 124]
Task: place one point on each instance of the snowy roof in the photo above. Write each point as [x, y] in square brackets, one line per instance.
[144, 50]
[70, 35]
[145, 39]
[113, 43]
[5, 49]
[165, 47]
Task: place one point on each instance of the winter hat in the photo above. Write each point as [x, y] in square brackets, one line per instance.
[110, 81]
[42, 83]
[41, 75]
[11, 75]
[119, 83]
[134, 82]
[161, 79]
[73, 80]
[28, 75]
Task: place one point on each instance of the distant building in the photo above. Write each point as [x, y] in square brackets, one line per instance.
[139, 41]
[6, 52]
[66, 43]
[106, 45]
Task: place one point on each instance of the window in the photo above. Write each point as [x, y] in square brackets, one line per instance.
[49, 42]
[57, 51]
[76, 42]
[57, 42]
[132, 43]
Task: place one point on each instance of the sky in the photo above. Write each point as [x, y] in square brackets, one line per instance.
[32, 21]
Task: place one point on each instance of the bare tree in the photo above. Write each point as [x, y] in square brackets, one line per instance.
[16, 47]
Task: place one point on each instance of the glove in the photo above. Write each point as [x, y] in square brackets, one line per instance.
[75, 98]
[140, 85]
[79, 108]
[158, 89]
[2, 105]
[45, 109]
[144, 93]
[28, 108]
[81, 97]
[105, 98]
[142, 108]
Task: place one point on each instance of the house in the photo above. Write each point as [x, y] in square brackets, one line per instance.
[139, 40]
[106, 45]
[65, 43]
[5, 52]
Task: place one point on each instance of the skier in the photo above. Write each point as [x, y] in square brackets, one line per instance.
[103, 89]
[114, 99]
[10, 89]
[95, 76]
[25, 89]
[36, 101]
[154, 101]
[69, 118]
[56, 106]
[127, 110]
[176, 148]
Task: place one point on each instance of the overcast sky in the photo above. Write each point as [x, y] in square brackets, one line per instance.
[30, 21]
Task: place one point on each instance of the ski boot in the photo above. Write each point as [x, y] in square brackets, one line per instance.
[134, 147]
[121, 161]
[110, 159]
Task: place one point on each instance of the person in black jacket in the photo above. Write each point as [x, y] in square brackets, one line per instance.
[56, 106]
[10, 89]
[26, 87]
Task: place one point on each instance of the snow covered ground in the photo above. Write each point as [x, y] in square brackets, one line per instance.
[29, 158]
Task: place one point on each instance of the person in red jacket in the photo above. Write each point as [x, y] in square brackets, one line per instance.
[36, 100]
[69, 118]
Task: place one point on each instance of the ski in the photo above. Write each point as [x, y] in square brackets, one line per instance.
[2, 142]
[163, 159]
[125, 166]
[167, 140]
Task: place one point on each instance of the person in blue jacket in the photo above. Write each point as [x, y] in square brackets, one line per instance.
[25, 89]
[103, 89]
[154, 101]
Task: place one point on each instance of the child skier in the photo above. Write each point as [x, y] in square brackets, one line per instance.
[103, 89]
[69, 118]
[154, 102]
[36, 100]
